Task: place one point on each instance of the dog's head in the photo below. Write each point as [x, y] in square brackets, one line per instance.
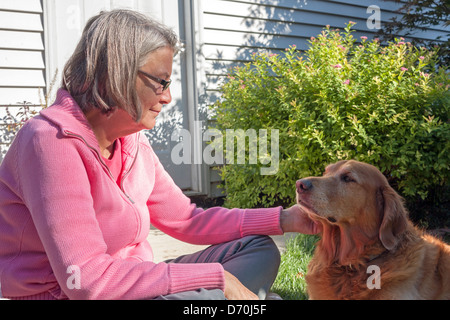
[356, 206]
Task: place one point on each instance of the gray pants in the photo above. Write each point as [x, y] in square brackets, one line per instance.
[254, 260]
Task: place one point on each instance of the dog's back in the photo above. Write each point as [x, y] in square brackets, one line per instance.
[435, 273]
[418, 269]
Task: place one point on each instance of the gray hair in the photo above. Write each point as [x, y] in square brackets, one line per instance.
[103, 69]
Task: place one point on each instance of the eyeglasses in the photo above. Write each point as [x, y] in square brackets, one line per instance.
[165, 84]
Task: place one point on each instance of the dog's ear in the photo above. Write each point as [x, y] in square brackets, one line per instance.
[394, 217]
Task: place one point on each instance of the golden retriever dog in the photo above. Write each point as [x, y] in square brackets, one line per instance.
[369, 249]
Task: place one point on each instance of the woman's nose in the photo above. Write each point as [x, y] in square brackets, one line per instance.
[166, 97]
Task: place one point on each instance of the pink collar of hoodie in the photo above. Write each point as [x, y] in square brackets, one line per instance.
[68, 116]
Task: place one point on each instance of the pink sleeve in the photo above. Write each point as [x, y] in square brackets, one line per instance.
[173, 213]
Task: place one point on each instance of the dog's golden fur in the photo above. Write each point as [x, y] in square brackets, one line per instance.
[364, 223]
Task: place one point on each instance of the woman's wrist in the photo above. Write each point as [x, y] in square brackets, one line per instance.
[286, 221]
[294, 219]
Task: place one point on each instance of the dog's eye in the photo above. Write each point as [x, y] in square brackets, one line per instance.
[347, 178]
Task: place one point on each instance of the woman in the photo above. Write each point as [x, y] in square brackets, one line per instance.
[80, 187]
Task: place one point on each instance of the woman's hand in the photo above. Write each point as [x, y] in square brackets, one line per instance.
[235, 290]
[295, 219]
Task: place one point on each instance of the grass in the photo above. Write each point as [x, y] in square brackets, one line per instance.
[290, 283]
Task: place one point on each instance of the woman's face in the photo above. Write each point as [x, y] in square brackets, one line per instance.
[150, 92]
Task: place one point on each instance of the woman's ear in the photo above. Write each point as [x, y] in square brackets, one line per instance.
[394, 217]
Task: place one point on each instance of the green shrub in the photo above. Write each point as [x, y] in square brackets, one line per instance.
[344, 98]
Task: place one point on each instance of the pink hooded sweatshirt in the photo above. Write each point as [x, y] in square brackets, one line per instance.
[63, 215]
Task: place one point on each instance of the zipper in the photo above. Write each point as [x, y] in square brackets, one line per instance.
[127, 173]
[104, 164]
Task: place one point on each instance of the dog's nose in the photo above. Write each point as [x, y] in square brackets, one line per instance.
[304, 185]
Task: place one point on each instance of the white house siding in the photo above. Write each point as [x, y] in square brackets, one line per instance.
[22, 65]
[233, 30]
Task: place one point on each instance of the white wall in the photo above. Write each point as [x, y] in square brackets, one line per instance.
[22, 66]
